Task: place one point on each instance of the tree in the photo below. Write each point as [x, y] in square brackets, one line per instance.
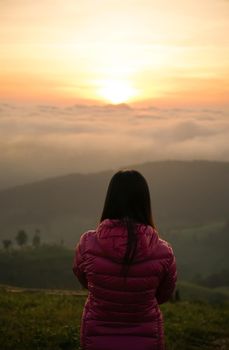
[36, 239]
[21, 238]
[7, 243]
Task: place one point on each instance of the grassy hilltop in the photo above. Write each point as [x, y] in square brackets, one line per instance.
[51, 320]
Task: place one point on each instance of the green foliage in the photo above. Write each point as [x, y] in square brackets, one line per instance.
[201, 251]
[218, 279]
[7, 243]
[36, 239]
[47, 266]
[42, 321]
[21, 238]
[190, 292]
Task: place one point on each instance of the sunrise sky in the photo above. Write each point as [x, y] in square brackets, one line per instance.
[87, 85]
[145, 51]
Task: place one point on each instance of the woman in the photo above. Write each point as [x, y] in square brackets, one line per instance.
[127, 269]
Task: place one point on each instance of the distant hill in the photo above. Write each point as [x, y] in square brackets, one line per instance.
[183, 193]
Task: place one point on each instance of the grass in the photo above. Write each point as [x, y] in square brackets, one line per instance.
[196, 325]
[38, 320]
[42, 320]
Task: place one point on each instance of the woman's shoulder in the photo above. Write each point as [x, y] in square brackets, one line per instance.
[166, 249]
[85, 236]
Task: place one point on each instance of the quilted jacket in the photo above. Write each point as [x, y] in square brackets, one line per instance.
[122, 313]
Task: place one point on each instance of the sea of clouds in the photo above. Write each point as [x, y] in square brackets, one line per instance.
[38, 141]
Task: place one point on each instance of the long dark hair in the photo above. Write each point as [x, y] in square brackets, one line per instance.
[128, 199]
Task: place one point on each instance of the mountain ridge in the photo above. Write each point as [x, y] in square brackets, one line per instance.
[182, 193]
[130, 166]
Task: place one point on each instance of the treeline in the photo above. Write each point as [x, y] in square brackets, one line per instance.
[202, 258]
[22, 239]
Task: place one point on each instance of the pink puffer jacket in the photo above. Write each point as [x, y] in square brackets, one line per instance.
[123, 313]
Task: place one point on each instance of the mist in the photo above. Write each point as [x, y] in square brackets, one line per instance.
[39, 141]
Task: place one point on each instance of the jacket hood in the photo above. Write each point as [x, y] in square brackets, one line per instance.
[112, 238]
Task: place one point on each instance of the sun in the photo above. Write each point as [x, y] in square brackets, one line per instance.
[117, 91]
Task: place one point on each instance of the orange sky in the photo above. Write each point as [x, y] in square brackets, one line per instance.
[115, 51]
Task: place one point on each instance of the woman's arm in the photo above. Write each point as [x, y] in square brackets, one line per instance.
[79, 262]
[168, 283]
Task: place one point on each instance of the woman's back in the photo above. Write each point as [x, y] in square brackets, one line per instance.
[122, 312]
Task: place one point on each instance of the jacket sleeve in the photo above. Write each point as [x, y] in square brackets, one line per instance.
[79, 262]
[168, 283]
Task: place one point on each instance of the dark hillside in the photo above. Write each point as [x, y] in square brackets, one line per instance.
[184, 193]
